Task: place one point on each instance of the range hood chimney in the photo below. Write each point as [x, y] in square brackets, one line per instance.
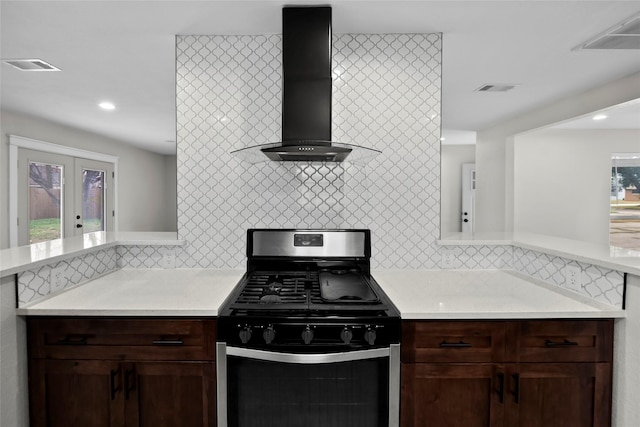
[307, 86]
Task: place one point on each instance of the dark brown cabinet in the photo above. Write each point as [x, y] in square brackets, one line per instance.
[554, 373]
[119, 372]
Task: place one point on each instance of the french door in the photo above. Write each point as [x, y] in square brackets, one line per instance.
[62, 196]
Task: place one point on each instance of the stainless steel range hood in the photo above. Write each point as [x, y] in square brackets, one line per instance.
[306, 103]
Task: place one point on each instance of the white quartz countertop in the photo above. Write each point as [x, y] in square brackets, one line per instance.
[143, 292]
[483, 294]
[451, 294]
[15, 260]
[615, 258]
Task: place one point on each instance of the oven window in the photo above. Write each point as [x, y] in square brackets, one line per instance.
[273, 394]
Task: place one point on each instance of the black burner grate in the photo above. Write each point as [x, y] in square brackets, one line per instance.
[273, 289]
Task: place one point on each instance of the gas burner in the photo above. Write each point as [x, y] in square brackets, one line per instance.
[271, 292]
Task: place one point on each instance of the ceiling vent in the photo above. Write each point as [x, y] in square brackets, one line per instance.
[31, 65]
[495, 88]
[625, 35]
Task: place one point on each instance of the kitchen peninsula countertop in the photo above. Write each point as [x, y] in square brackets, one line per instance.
[143, 292]
[16, 260]
[615, 258]
[418, 294]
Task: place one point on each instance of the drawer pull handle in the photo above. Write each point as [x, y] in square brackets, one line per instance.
[72, 340]
[168, 342]
[565, 343]
[460, 344]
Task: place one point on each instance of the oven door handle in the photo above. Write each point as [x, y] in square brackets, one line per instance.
[308, 358]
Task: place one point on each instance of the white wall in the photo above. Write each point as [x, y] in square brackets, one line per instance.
[626, 353]
[452, 158]
[147, 182]
[494, 199]
[13, 359]
[562, 181]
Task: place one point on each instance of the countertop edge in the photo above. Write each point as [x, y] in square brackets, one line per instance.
[34, 312]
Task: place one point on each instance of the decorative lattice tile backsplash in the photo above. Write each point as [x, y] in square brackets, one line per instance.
[35, 284]
[386, 95]
[602, 284]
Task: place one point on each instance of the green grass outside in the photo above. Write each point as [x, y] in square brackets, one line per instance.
[41, 230]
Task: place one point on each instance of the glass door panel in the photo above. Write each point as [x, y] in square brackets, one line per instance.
[45, 201]
[94, 201]
[45, 196]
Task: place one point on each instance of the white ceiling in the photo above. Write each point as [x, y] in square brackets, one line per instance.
[123, 51]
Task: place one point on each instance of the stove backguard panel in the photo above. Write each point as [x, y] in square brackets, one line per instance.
[386, 95]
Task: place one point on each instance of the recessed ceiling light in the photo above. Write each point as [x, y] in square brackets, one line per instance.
[599, 117]
[107, 105]
[31, 65]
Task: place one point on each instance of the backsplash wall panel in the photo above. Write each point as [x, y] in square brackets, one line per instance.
[386, 95]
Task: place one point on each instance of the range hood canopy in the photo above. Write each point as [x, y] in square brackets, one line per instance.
[306, 102]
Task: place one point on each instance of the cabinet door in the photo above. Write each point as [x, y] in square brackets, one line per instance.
[452, 395]
[171, 394]
[70, 393]
[559, 395]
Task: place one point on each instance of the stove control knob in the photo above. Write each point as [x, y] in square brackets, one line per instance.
[370, 335]
[307, 335]
[269, 334]
[245, 334]
[346, 335]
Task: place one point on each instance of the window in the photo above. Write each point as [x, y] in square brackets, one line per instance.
[624, 225]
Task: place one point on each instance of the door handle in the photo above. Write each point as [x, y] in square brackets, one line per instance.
[78, 225]
[129, 383]
[501, 387]
[112, 383]
[516, 387]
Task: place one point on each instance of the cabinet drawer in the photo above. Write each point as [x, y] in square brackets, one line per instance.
[452, 341]
[561, 341]
[118, 339]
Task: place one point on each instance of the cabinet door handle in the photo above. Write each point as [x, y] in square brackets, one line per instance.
[129, 382]
[112, 383]
[168, 342]
[72, 340]
[565, 343]
[501, 387]
[516, 387]
[461, 344]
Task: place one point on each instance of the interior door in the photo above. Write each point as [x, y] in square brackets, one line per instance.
[468, 196]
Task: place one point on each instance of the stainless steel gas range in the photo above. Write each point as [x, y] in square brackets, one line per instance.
[307, 337]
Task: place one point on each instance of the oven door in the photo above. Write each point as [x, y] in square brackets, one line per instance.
[258, 388]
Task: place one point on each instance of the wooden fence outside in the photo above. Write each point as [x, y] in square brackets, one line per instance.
[42, 205]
